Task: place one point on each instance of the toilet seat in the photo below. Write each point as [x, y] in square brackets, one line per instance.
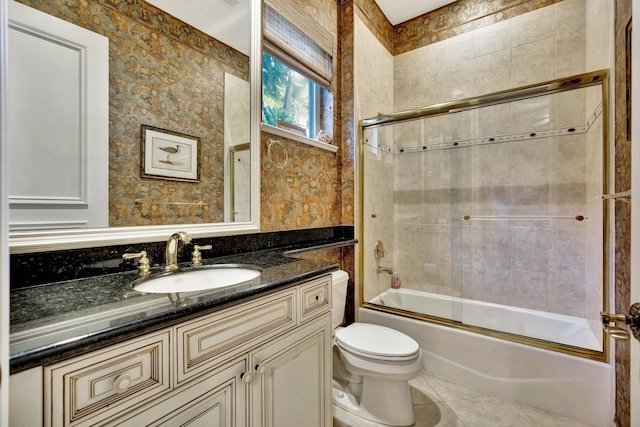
[377, 342]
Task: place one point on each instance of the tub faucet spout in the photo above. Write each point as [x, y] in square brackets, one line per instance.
[381, 269]
[171, 252]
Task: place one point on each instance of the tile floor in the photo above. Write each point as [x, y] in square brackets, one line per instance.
[444, 403]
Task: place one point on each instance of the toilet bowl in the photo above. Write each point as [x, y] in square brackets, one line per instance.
[372, 366]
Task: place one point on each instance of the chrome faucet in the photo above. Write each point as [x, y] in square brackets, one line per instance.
[171, 253]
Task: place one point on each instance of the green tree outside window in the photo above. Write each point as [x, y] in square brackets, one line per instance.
[286, 95]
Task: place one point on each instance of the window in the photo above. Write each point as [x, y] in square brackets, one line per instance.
[288, 96]
[296, 67]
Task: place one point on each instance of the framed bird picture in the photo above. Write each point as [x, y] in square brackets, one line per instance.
[169, 155]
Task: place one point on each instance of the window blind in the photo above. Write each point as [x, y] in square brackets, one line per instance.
[296, 39]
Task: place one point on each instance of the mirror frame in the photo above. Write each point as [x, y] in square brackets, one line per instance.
[49, 240]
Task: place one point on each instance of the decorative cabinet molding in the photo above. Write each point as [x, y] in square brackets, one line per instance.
[214, 400]
[262, 363]
[292, 385]
[88, 389]
[315, 297]
[201, 344]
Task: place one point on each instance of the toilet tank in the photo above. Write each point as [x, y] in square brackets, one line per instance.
[339, 280]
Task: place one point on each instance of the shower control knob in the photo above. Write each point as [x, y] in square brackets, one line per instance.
[379, 251]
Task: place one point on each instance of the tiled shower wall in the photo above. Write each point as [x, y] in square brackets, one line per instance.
[530, 48]
[373, 68]
[541, 45]
[532, 264]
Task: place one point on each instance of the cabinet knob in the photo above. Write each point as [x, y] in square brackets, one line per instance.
[245, 378]
[261, 369]
[122, 383]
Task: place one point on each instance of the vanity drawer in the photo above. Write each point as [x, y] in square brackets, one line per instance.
[315, 298]
[95, 387]
[206, 342]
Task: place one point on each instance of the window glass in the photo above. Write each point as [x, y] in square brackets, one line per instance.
[287, 96]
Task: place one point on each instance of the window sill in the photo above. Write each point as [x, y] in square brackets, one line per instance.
[303, 139]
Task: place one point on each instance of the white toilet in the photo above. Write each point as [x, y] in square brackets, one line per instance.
[372, 366]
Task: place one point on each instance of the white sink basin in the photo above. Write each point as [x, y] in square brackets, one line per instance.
[197, 279]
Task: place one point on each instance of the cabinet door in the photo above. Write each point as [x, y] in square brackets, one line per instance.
[225, 334]
[292, 378]
[217, 400]
[25, 388]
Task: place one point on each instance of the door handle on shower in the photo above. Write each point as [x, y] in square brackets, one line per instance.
[616, 333]
[632, 319]
[614, 317]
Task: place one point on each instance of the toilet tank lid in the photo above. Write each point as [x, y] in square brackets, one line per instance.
[376, 340]
[339, 275]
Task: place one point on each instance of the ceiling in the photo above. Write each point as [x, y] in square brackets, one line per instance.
[232, 23]
[224, 20]
[398, 11]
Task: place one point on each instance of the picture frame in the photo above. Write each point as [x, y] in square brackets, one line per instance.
[169, 155]
[298, 130]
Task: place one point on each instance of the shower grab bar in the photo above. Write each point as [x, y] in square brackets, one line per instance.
[521, 217]
[625, 196]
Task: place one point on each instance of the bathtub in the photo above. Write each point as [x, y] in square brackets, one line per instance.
[566, 385]
[542, 325]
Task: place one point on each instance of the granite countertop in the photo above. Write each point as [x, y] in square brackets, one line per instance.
[56, 321]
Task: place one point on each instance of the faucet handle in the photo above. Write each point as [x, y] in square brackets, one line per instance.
[144, 265]
[196, 256]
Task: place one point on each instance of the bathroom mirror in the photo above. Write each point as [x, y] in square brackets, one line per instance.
[208, 117]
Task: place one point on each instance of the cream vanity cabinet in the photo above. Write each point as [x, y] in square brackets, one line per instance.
[262, 363]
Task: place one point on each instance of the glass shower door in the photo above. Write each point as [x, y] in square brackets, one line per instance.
[403, 211]
[490, 211]
[527, 216]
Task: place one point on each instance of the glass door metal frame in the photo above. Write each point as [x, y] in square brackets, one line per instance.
[595, 78]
